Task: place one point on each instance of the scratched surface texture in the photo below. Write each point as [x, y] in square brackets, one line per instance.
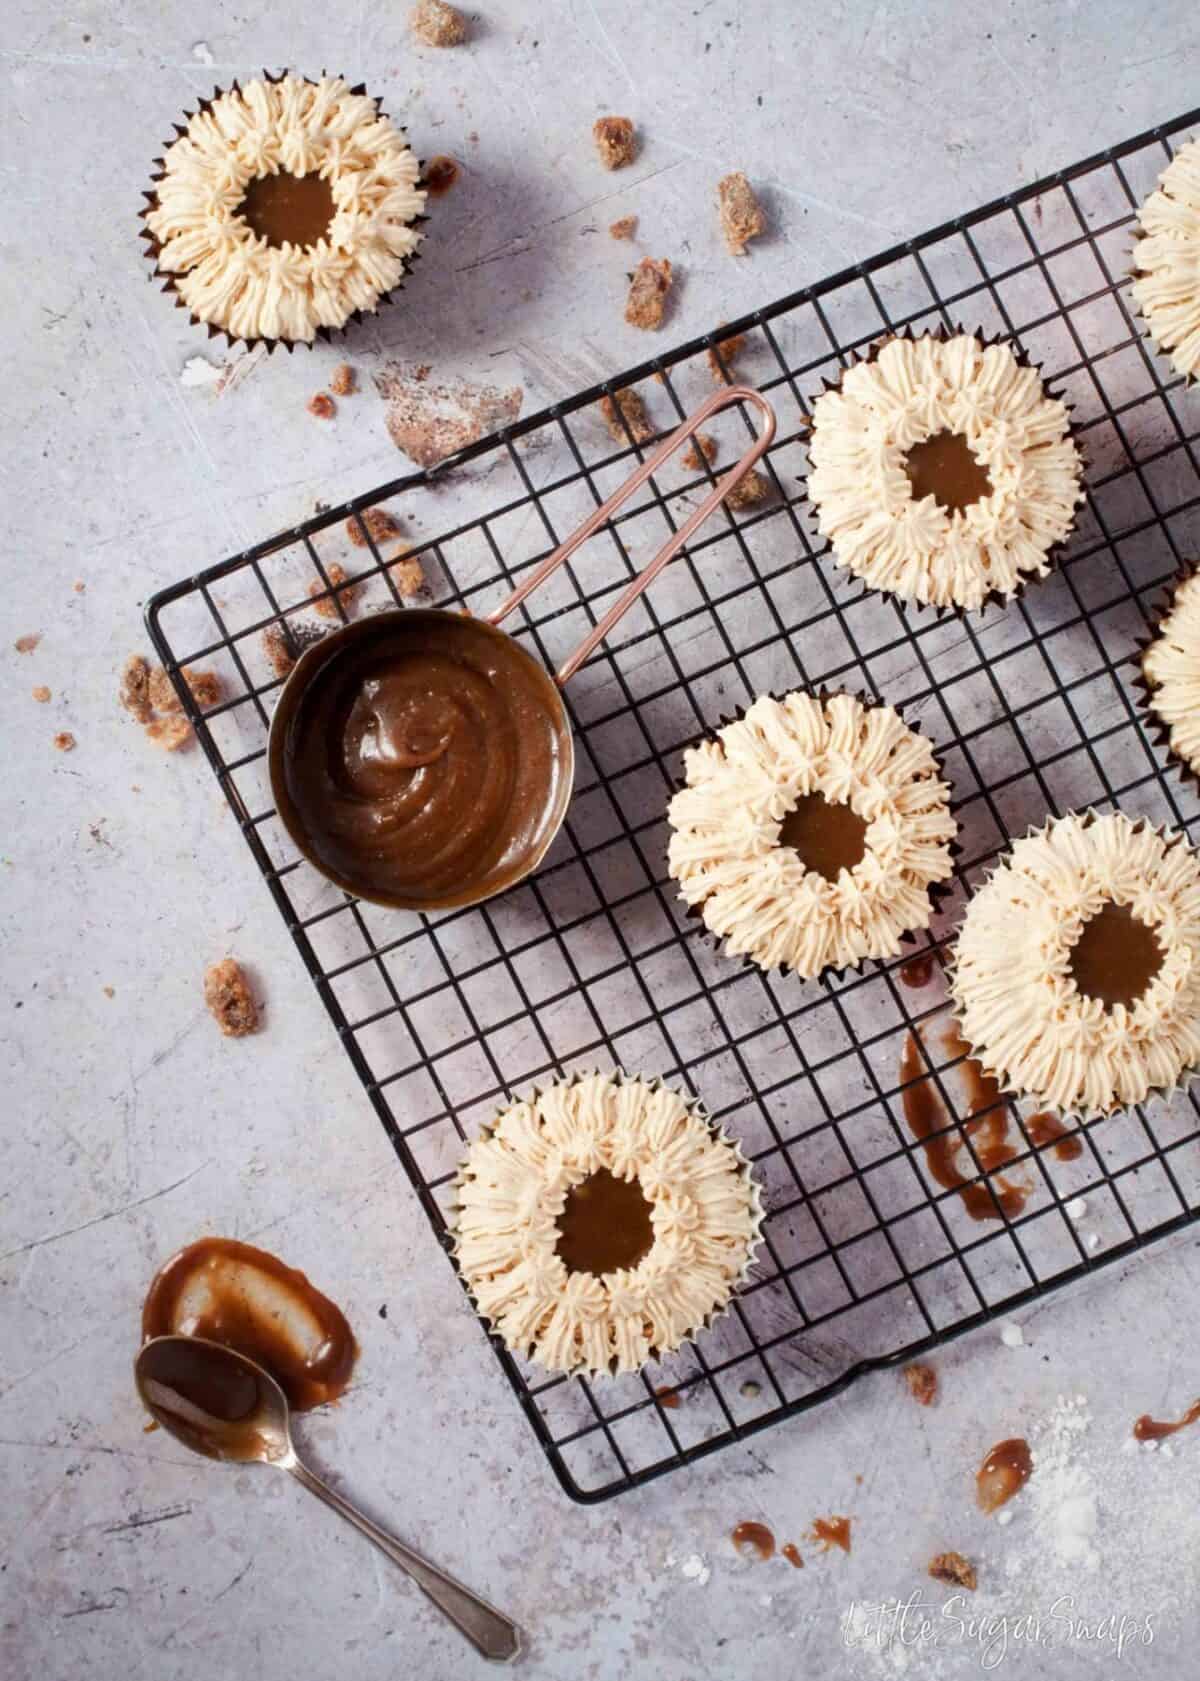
[130, 1127]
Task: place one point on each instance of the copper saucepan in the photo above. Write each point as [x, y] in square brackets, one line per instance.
[509, 805]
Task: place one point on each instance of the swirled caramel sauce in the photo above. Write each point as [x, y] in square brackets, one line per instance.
[233, 1293]
[423, 759]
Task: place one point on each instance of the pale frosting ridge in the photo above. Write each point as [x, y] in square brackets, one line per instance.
[706, 1211]
[1171, 666]
[1166, 280]
[231, 277]
[1024, 1018]
[758, 896]
[913, 390]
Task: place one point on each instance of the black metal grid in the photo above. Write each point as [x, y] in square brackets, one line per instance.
[593, 962]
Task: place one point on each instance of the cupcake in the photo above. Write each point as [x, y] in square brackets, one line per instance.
[943, 472]
[1076, 974]
[1171, 673]
[284, 210]
[603, 1222]
[810, 831]
[1166, 261]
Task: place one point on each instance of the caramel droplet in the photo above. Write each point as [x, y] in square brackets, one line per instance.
[1003, 1473]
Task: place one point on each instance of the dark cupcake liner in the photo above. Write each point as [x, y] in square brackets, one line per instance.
[1158, 731]
[938, 891]
[323, 335]
[1187, 1076]
[695, 1106]
[1053, 555]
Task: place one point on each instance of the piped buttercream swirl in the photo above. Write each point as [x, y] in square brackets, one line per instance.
[1166, 259]
[1171, 667]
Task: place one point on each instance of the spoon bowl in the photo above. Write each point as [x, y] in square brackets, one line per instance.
[222, 1404]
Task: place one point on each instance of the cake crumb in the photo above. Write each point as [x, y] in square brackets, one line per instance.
[228, 998]
[953, 1567]
[170, 733]
[79, 586]
[134, 693]
[109, 991]
[624, 227]
[616, 141]
[730, 349]
[741, 214]
[922, 1383]
[750, 1389]
[40, 693]
[437, 24]
[26, 644]
[702, 448]
[407, 573]
[439, 175]
[327, 605]
[204, 685]
[625, 415]
[322, 406]
[648, 288]
[279, 656]
[380, 527]
[750, 491]
[1011, 1335]
[343, 380]
[65, 741]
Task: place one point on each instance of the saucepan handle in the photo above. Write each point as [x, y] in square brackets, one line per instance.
[735, 475]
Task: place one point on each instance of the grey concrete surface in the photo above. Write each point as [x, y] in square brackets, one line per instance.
[130, 1127]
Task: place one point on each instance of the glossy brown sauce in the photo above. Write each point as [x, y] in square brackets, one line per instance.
[946, 468]
[1047, 1128]
[918, 971]
[422, 758]
[1006, 1469]
[828, 835]
[755, 1538]
[289, 209]
[209, 1398]
[232, 1293]
[791, 1552]
[439, 175]
[831, 1532]
[946, 1156]
[1115, 957]
[1149, 1429]
[605, 1224]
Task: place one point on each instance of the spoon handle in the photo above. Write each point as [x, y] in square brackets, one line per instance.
[493, 1635]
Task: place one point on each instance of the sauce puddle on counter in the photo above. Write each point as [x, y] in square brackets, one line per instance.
[755, 1538]
[987, 1126]
[232, 1293]
[831, 1532]
[1003, 1473]
[1149, 1429]
[1048, 1129]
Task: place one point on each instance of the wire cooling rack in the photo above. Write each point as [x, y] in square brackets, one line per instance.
[593, 962]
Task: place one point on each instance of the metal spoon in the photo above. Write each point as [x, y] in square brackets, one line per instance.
[225, 1406]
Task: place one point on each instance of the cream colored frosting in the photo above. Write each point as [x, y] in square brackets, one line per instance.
[757, 895]
[913, 390]
[1166, 260]
[1020, 1011]
[512, 1188]
[231, 277]
[1171, 665]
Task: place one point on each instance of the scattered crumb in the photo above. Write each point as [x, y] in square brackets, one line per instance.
[65, 741]
[205, 687]
[730, 349]
[439, 175]
[40, 693]
[407, 573]
[134, 692]
[647, 300]
[79, 586]
[109, 991]
[279, 656]
[616, 141]
[198, 370]
[327, 605]
[953, 1567]
[429, 420]
[694, 1569]
[203, 53]
[437, 24]
[1076, 1209]
[322, 406]
[922, 1384]
[702, 448]
[171, 733]
[26, 644]
[750, 491]
[625, 415]
[741, 213]
[750, 1389]
[380, 525]
[228, 999]
[343, 380]
[624, 227]
[1012, 1336]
